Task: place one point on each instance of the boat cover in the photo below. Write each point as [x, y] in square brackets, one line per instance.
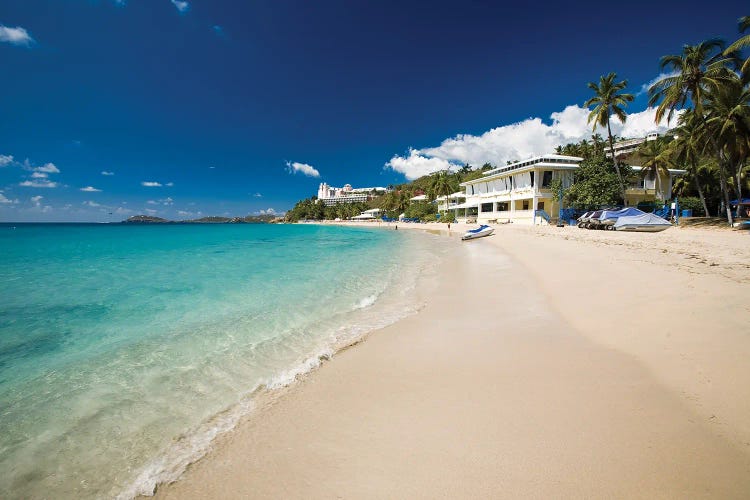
[616, 214]
[641, 220]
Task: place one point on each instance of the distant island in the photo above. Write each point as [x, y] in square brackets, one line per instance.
[249, 219]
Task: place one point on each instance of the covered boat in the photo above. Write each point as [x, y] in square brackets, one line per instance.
[609, 217]
[483, 230]
[648, 223]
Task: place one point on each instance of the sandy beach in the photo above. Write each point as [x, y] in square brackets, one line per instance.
[547, 362]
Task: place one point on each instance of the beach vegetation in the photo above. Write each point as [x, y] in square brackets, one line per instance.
[596, 184]
[609, 100]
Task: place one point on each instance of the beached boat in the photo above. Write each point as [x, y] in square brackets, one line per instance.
[608, 217]
[481, 231]
[646, 223]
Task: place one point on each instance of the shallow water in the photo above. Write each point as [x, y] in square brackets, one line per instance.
[125, 349]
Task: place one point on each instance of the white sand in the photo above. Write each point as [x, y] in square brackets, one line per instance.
[549, 362]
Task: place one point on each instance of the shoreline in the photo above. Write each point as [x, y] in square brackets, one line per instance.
[510, 389]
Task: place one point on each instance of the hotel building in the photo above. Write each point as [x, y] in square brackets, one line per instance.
[332, 195]
[521, 192]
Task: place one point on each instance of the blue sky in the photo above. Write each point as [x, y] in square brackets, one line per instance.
[197, 107]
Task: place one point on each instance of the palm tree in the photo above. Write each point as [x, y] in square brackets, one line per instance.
[693, 72]
[608, 101]
[687, 148]
[698, 70]
[728, 121]
[654, 161]
[442, 183]
[741, 43]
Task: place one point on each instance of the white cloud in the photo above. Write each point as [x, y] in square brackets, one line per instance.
[39, 183]
[39, 175]
[104, 172]
[123, 211]
[184, 213]
[518, 141]
[49, 168]
[181, 5]
[151, 211]
[91, 189]
[15, 36]
[36, 200]
[303, 168]
[258, 195]
[5, 160]
[91, 204]
[645, 86]
[151, 202]
[7, 201]
[268, 211]
[169, 184]
[416, 165]
[150, 184]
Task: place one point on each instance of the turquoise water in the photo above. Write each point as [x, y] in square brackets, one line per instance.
[124, 350]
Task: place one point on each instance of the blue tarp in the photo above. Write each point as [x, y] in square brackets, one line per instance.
[624, 212]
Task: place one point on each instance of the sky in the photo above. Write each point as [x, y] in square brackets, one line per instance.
[183, 109]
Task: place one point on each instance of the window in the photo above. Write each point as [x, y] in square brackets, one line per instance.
[547, 178]
[532, 178]
[502, 207]
[486, 207]
[540, 205]
[525, 204]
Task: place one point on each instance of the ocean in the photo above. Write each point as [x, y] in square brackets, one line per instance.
[126, 349]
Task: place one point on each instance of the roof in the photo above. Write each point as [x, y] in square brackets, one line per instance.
[559, 161]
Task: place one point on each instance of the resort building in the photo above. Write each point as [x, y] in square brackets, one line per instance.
[628, 146]
[521, 192]
[515, 192]
[332, 195]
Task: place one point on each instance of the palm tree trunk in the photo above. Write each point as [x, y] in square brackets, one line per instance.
[738, 175]
[614, 160]
[725, 191]
[700, 190]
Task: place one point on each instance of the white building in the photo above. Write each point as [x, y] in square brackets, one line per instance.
[332, 195]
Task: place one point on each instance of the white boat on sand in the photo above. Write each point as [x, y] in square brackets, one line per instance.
[481, 231]
[646, 223]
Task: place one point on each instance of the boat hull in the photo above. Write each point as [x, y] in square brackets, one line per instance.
[643, 229]
[474, 236]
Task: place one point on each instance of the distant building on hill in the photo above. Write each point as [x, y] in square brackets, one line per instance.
[330, 195]
[628, 146]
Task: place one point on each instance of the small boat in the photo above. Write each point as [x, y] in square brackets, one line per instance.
[481, 231]
[646, 223]
[608, 218]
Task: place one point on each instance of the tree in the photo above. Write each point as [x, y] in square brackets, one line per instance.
[443, 183]
[654, 161]
[687, 148]
[742, 42]
[728, 122]
[607, 101]
[694, 73]
[595, 185]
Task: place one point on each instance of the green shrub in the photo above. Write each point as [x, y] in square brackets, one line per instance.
[692, 203]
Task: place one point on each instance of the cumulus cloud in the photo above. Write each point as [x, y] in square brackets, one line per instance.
[48, 168]
[36, 200]
[169, 184]
[91, 189]
[150, 184]
[104, 172]
[181, 5]
[15, 36]
[302, 168]
[517, 141]
[7, 201]
[258, 195]
[5, 160]
[39, 183]
[91, 204]
[39, 175]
